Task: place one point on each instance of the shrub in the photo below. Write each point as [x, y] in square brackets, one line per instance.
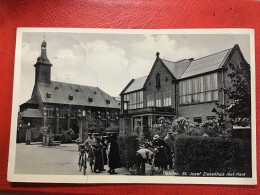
[212, 154]
[128, 145]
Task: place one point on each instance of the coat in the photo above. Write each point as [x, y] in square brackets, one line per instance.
[113, 155]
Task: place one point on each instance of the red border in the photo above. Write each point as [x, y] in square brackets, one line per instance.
[114, 14]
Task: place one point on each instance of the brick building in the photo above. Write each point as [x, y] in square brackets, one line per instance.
[64, 106]
[187, 88]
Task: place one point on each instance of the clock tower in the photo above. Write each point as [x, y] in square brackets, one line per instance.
[43, 66]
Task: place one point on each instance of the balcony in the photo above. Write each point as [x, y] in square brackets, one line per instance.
[151, 110]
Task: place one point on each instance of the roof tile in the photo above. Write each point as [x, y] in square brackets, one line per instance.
[60, 93]
[206, 64]
[136, 85]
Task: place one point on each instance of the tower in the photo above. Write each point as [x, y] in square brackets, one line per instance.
[43, 66]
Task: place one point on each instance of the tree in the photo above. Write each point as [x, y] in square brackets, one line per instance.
[239, 110]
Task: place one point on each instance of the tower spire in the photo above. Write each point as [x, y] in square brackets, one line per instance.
[43, 58]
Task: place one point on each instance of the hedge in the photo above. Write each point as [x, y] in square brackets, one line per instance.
[128, 145]
[210, 154]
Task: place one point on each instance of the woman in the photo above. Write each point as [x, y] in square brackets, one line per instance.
[161, 159]
[113, 155]
[98, 153]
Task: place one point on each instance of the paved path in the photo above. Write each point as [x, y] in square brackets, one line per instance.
[57, 160]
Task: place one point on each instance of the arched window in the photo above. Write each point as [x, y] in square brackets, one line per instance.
[158, 84]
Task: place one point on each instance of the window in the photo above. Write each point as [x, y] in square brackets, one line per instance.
[211, 118]
[62, 113]
[126, 101]
[103, 115]
[49, 113]
[93, 115]
[197, 119]
[70, 97]
[150, 100]
[158, 98]
[112, 116]
[199, 89]
[74, 114]
[44, 75]
[48, 95]
[167, 100]
[158, 82]
[135, 100]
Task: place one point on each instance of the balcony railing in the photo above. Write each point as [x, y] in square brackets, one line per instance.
[146, 110]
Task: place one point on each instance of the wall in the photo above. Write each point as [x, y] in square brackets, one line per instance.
[150, 86]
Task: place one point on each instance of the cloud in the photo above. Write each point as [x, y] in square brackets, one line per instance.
[143, 53]
[97, 63]
[28, 59]
[106, 63]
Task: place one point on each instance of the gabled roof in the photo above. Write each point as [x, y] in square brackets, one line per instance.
[176, 68]
[31, 113]
[137, 84]
[206, 64]
[60, 92]
[33, 100]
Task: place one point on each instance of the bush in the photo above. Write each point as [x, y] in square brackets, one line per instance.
[128, 145]
[212, 154]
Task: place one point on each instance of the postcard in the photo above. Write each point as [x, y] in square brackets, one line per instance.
[173, 106]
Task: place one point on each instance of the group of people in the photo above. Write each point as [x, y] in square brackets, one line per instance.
[159, 150]
[103, 151]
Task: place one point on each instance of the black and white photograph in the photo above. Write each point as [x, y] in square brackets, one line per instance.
[133, 106]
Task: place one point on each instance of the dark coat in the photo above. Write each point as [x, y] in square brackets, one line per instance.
[113, 156]
[98, 152]
[161, 158]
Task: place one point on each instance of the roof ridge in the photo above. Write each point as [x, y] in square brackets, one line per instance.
[141, 77]
[71, 84]
[212, 54]
[168, 60]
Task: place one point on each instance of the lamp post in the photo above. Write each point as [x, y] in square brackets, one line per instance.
[28, 134]
[80, 116]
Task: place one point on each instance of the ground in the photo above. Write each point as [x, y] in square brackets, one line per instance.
[57, 160]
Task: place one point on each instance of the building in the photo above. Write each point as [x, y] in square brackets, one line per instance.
[63, 106]
[187, 88]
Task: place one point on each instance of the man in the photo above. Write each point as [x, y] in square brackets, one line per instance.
[89, 146]
[143, 155]
[169, 140]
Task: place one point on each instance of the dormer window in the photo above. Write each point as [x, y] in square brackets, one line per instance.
[108, 101]
[90, 99]
[48, 95]
[95, 92]
[77, 90]
[70, 97]
[56, 88]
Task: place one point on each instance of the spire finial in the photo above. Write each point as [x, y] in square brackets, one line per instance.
[157, 54]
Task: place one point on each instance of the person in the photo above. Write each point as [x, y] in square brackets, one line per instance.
[143, 155]
[104, 142]
[88, 144]
[161, 159]
[98, 153]
[113, 154]
[169, 140]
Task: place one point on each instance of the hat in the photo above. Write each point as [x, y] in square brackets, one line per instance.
[156, 136]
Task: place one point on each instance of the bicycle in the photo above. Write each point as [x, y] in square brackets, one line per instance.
[82, 158]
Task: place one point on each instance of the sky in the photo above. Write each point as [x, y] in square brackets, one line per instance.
[110, 61]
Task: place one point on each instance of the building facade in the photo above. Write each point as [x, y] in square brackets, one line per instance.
[187, 88]
[63, 106]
